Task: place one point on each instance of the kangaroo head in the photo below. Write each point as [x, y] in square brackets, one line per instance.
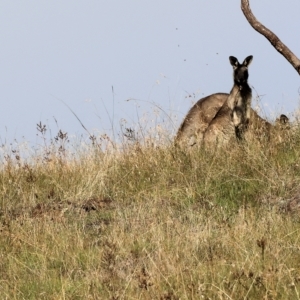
[240, 71]
[283, 119]
[282, 122]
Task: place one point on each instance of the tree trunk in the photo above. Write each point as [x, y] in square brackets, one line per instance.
[273, 39]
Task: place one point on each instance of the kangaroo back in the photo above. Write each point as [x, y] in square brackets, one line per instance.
[198, 118]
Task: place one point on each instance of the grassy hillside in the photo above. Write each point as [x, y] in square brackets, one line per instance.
[151, 222]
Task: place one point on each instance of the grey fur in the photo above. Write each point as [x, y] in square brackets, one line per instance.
[220, 117]
[232, 120]
[198, 118]
[214, 119]
[202, 113]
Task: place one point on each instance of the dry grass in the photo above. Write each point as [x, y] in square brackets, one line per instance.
[148, 222]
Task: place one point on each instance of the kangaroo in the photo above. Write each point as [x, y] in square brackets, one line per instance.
[204, 112]
[191, 131]
[233, 117]
[213, 117]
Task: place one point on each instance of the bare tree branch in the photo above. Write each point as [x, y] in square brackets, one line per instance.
[273, 39]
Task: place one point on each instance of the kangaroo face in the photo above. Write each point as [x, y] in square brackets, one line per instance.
[241, 75]
[240, 71]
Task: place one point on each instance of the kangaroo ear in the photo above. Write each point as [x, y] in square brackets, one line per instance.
[247, 61]
[234, 62]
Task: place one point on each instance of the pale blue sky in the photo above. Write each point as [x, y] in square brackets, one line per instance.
[153, 51]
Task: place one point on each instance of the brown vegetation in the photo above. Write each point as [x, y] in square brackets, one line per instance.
[150, 222]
